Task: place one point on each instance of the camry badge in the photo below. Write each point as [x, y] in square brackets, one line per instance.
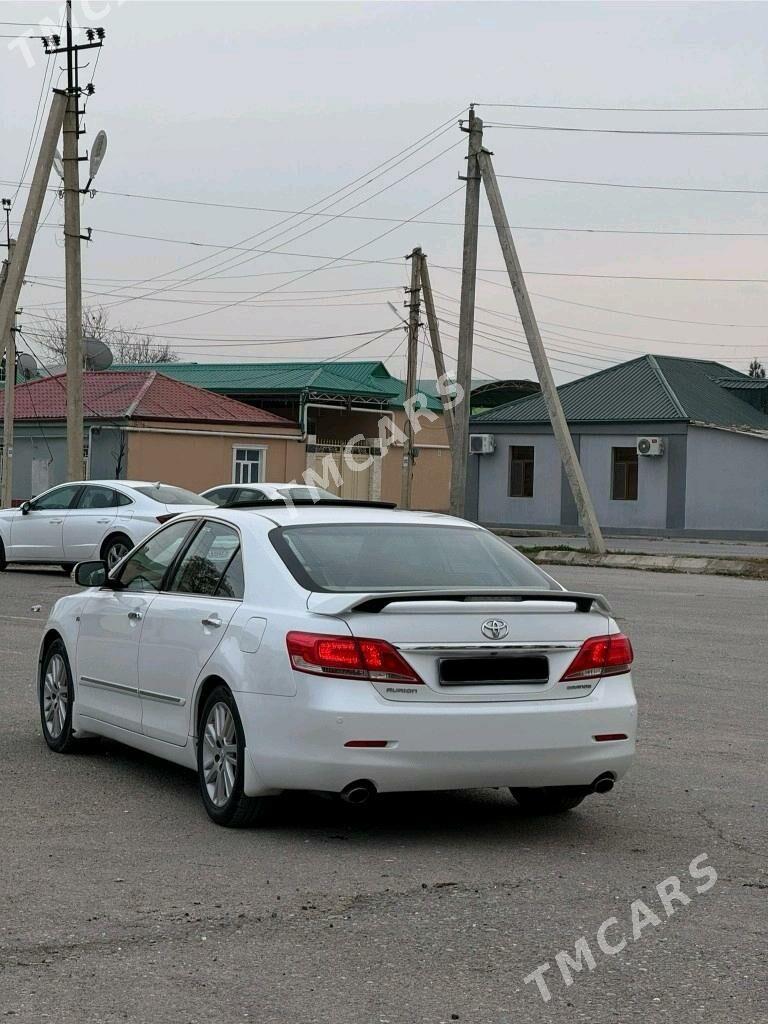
[494, 629]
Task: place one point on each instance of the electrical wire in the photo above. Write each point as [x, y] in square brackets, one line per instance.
[618, 131]
[652, 188]
[629, 110]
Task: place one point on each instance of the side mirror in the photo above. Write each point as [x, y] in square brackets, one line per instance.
[90, 574]
[24, 507]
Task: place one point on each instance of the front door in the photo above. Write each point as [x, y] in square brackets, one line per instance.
[183, 628]
[37, 535]
[111, 628]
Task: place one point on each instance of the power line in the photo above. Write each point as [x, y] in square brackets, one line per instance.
[629, 110]
[618, 131]
[653, 188]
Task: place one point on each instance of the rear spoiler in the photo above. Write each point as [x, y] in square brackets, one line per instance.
[341, 604]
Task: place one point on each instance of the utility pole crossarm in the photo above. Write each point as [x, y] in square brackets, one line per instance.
[551, 397]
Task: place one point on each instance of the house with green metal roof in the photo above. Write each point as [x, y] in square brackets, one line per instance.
[668, 445]
[337, 404]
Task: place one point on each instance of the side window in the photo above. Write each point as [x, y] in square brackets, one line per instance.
[251, 494]
[207, 561]
[147, 567]
[232, 582]
[248, 465]
[97, 497]
[58, 498]
[122, 499]
[220, 495]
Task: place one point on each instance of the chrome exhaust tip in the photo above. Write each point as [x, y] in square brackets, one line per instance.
[358, 793]
[603, 783]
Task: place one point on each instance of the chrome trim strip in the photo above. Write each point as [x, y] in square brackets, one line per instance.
[119, 687]
[165, 698]
[481, 647]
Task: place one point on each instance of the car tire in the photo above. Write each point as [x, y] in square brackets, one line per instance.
[221, 764]
[3, 563]
[549, 799]
[56, 697]
[114, 548]
[67, 567]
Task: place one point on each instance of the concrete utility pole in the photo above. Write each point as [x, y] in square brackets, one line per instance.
[414, 310]
[29, 221]
[73, 238]
[9, 401]
[559, 425]
[460, 452]
[437, 350]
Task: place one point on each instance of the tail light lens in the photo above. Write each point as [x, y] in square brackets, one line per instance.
[348, 657]
[601, 656]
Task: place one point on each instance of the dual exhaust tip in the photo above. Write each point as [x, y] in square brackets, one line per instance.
[362, 792]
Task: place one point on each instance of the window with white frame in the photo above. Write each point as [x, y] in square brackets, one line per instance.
[248, 465]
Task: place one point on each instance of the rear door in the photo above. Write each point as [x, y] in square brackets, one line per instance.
[88, 522]
[184, 626]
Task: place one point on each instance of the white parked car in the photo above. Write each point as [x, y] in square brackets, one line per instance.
[350, 650]
[89, 519]
[234, 494]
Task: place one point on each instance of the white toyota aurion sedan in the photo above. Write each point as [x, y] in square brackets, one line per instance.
[89, 518]
[346, 649]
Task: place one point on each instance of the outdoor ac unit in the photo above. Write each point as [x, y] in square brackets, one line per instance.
[482, 444]
[650, 446]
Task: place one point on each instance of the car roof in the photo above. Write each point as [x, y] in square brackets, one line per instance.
[343, 514]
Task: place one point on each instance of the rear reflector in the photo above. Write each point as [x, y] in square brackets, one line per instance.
[605, 736]
[601, 656]
[366, 743]
[348, 657]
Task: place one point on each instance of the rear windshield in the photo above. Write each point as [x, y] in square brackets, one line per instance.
[168, 495]
[373, 556]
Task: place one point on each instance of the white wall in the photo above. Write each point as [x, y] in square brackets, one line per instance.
[727, 481]
[494, 503]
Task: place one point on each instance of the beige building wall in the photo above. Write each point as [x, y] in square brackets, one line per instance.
[198, 456]
[432, 469]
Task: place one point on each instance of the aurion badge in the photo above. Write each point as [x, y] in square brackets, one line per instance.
[494, 629]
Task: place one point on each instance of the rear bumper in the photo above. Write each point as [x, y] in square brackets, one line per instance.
[299, 742]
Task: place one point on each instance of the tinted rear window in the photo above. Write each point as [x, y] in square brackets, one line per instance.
[370, 557]
[168, 495]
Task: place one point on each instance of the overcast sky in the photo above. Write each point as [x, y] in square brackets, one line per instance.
[278, 106]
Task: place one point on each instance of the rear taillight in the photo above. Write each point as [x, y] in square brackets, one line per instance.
[601, 656]
[348, 657]
[166, 517]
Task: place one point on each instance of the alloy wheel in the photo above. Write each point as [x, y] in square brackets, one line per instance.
[55, 696]
[115, 553]
[220, 754]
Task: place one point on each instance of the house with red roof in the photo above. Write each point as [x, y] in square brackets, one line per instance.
[143, 425]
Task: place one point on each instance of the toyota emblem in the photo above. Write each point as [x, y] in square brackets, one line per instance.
[494, 629]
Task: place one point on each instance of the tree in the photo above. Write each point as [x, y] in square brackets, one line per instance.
[756, 369]
[126, 344]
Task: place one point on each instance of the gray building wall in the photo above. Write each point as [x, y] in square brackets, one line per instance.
[494, 504]
[650, 509]
[40, 457]
[727, 481]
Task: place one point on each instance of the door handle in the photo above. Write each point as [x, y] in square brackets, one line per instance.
[136, 615]
[55, 522]
[212, 620]
[101, 521]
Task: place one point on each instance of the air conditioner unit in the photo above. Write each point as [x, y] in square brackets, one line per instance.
[650, 446]
[482, 444]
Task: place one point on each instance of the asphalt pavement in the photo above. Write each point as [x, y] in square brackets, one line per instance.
[120, 901]
[703, 547]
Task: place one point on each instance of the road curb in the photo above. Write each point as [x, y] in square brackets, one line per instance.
[750, 568]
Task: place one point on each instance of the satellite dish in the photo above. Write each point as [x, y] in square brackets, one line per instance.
[27, 365]
[98, 356]
[58, 164]
[98, 149]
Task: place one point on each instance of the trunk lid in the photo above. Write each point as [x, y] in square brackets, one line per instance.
[469, 647]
